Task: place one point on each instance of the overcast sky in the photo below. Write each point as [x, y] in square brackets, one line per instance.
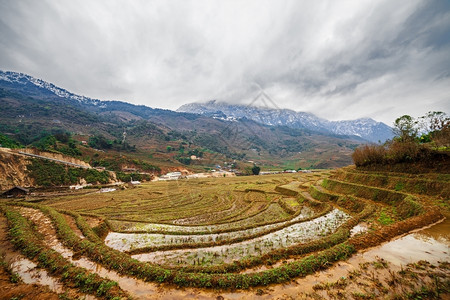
[336, 59]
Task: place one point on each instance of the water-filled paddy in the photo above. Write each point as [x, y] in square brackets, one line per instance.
[294, 234]
[129, 241]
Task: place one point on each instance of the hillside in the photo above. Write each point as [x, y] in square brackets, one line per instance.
[34, 108]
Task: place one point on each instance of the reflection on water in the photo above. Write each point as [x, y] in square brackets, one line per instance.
[431, 244]
[288, 236]
[29, 274]
[360, 228]
[439, 232]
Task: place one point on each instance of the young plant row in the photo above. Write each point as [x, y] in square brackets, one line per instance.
[219, 228]
[28, 242]
[125, 265]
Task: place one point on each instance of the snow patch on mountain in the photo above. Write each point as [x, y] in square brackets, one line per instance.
[21, 78]
[365, 128]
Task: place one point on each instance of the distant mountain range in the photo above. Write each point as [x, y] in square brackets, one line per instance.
[32, 107]
[364, 128]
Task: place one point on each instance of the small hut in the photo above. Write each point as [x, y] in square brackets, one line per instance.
[16, 191]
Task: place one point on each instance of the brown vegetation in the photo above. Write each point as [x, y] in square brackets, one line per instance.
[409, 152]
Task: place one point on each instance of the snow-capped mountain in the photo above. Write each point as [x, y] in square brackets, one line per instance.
[365, 128]
[34, 85]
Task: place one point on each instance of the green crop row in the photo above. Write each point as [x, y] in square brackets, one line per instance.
[28, 242]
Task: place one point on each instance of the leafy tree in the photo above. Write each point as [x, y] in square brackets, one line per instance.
[100, 142]
[405, 128]
[46, 143]
[196, 152]
[435, 121]
[184, 160]
[256, 170]
[62, 136]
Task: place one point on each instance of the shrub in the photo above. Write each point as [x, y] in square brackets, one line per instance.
[399, 152]
[368, 155]
[8, 142]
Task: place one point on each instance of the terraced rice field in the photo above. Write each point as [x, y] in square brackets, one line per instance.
[221, 233]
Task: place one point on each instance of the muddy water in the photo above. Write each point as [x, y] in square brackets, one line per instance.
[432, 243]
[30, 274]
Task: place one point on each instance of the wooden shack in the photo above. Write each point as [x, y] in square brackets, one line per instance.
[16, 191]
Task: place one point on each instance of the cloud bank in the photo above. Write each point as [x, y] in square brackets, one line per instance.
[336, 59]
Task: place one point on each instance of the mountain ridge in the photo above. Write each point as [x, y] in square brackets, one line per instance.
[365, 128]
[33, 108]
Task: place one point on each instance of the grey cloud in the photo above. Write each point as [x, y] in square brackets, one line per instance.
[337, 59]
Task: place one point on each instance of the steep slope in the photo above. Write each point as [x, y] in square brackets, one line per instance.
[13, 170]
[365, 128]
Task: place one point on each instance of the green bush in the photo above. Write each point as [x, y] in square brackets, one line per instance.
[8, 142]
[49, 173]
